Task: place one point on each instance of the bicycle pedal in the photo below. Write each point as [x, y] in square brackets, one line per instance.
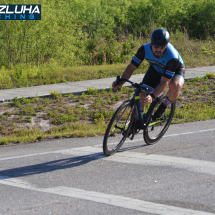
[131, 134]
[113, 135]
[152, 128]
[132, 137]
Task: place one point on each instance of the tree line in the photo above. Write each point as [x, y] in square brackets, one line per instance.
[80, 32]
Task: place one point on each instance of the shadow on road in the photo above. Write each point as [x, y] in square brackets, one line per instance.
[59, 164]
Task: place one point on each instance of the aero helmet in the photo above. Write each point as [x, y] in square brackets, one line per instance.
[160, 37]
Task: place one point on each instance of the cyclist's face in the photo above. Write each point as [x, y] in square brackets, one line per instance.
[158, 50]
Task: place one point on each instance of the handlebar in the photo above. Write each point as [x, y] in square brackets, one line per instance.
[145, 87]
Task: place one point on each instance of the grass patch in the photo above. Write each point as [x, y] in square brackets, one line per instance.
[36, 119]
[195, 53]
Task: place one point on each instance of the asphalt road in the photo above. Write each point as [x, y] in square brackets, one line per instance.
[72, 176]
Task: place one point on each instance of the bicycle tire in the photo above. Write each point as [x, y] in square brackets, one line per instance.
[155, 130]
[118, 128]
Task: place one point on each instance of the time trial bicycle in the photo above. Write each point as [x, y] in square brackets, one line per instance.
[128, 120]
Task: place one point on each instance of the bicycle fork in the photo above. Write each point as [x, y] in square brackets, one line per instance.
[138, 111]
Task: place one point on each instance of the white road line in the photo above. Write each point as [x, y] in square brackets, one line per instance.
[30, 155]
[192, 132]
[118, 201]
[173, 135]
[193, 165]
[46, 153]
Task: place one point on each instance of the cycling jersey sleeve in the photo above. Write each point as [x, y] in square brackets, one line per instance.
[171, 67]
[139, 57]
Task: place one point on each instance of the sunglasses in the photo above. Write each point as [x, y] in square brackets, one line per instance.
[158, 47]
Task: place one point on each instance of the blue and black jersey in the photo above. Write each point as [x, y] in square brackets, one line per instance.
[168, 65]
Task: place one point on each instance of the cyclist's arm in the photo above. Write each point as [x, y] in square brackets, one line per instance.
[135, 63]
[158, 90]
[126, 75]
[171, 67]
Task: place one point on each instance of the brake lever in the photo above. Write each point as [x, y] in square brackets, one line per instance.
[117, 80]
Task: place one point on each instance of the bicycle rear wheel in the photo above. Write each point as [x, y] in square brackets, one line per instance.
[156, 129]
[118, 128]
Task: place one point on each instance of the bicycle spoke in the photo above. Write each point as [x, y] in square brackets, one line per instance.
[156, 129]
[118, 128]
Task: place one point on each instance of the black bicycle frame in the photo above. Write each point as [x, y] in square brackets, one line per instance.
[136, 99]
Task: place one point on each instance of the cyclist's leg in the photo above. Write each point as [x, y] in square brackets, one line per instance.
[176, 84]
[152, 78]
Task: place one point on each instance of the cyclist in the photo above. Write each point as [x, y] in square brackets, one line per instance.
[166, 68]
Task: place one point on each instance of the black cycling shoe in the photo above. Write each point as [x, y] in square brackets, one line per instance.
[159, 112]
[135, 128]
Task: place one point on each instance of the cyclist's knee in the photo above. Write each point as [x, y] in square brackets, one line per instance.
[176, 85]
[174, 89]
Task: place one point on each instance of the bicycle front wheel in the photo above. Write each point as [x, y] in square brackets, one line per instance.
[118, 128]
[156, 129]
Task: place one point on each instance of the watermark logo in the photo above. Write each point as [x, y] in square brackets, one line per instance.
[20, 12]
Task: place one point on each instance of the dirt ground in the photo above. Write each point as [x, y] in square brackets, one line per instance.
[40, 113]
